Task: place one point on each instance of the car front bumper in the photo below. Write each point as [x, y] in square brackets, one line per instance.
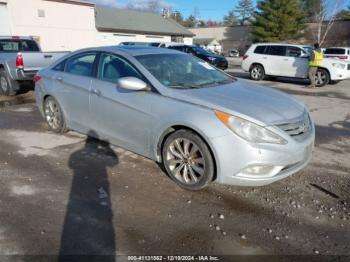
[221, 64]
[234, 155]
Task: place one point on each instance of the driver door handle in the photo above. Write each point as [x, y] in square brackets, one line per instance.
[96, 92]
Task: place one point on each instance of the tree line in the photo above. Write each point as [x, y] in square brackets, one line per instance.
[270, 20]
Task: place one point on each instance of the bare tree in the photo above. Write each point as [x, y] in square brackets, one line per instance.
[324, 18]
[153, 6]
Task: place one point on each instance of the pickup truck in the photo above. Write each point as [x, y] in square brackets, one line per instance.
[20, 59]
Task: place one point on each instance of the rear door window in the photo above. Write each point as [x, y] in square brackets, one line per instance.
[81, 65]
[335, 51]
[260, 49]
[294, 51]
[277, 50]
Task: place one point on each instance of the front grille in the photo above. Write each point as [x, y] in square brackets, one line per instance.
[298, 128]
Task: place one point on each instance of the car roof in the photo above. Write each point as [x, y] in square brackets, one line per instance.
[133, 50]
[337, 47]
[283, 44]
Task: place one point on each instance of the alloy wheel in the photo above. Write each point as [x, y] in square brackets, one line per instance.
[4, 85]
[320, 78]
[256, 73]
[185, 161]
[53, 114]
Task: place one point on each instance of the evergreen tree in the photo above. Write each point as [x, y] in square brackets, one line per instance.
[277, 20]
[245, 10]
[190, 21]
[177, 16]
[230, 19]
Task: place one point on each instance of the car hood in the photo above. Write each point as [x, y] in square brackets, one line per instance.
[216, 56]
[262, 105]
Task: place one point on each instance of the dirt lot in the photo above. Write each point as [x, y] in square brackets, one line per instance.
[72, 195]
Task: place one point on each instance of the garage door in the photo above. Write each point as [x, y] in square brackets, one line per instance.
[5, 20]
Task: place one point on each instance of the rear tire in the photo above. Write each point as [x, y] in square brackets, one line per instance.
[54, 116]
[257, 72]
[8, 87]
[188, 160]
[322, 77]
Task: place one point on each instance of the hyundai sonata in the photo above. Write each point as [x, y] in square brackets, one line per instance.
[202, 124]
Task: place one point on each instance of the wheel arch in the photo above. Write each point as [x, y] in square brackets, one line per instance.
[170, 130]
[328, 72]
[257, 63]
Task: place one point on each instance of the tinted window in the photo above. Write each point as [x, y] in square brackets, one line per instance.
[277, 50]
[260, 49]
[81, 65]
[60, 66]
[14, 45]
[111, 68]
[179, 48]
[335, 51]
[293, 51]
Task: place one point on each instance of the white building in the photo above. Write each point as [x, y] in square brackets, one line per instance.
[60, 25]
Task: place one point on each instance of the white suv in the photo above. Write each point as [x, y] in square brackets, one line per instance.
[342, 53]
[291, 61]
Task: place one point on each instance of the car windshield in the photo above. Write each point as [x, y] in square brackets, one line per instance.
[201, 51]
[308, 49]
[183, 71]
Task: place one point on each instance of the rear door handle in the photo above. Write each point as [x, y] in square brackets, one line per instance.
[286, 59]
[96, 92]
[59, 78]
[264, 57]
[48, 56]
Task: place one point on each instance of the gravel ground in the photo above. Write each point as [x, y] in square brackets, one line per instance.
[65, 194]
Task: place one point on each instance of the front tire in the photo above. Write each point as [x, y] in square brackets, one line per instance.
[54, 116]
[257, 72]
[322, 77]
[188, 160]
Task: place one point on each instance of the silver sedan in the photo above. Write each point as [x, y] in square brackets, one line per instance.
[202, 124]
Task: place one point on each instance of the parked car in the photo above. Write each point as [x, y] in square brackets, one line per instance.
[217, 60]
[233, 53]
[202, 124]
[290, 61]
[20, 59]
[154, 44]
[342, 53]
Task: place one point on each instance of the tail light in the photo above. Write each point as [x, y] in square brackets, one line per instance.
[36, 78]
[19, 61]
[245, 57]
[344, 57]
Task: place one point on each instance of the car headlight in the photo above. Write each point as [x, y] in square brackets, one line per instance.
[339, 65]
[249, 131]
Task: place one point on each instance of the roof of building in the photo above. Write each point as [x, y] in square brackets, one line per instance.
[205, 41]
[131, 21]
[77, 2]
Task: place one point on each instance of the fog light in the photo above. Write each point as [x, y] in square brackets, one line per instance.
[256, 170]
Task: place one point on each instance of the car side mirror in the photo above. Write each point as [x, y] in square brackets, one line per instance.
[133, 84]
